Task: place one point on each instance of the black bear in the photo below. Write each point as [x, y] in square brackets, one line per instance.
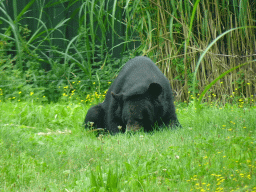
[140, 96]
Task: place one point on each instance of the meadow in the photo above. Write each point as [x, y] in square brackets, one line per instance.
[49, 79]
[44, 147]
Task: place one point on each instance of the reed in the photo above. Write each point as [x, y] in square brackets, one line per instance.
[176, 40]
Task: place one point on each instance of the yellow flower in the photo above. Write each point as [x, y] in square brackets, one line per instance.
[93, 83]
[20, 92]
[31, 93]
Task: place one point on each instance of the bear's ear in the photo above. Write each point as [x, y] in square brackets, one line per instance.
[154, 90]
[117, 97]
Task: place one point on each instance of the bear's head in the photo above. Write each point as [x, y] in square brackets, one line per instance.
[141, 108]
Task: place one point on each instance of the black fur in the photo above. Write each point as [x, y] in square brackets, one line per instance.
[140, 96]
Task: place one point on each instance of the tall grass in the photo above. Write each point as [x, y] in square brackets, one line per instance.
[176, 45]
[173, 33]
[220, 76]
[74, 61]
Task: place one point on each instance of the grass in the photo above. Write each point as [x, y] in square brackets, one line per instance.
[45, 148]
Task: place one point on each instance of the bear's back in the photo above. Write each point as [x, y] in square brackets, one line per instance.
[138, 73]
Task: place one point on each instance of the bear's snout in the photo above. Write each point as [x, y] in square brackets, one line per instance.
[134, 127]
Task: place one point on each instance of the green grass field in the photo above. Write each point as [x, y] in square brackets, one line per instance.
[45, 148]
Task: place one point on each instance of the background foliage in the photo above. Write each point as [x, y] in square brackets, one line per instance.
[52, 50]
